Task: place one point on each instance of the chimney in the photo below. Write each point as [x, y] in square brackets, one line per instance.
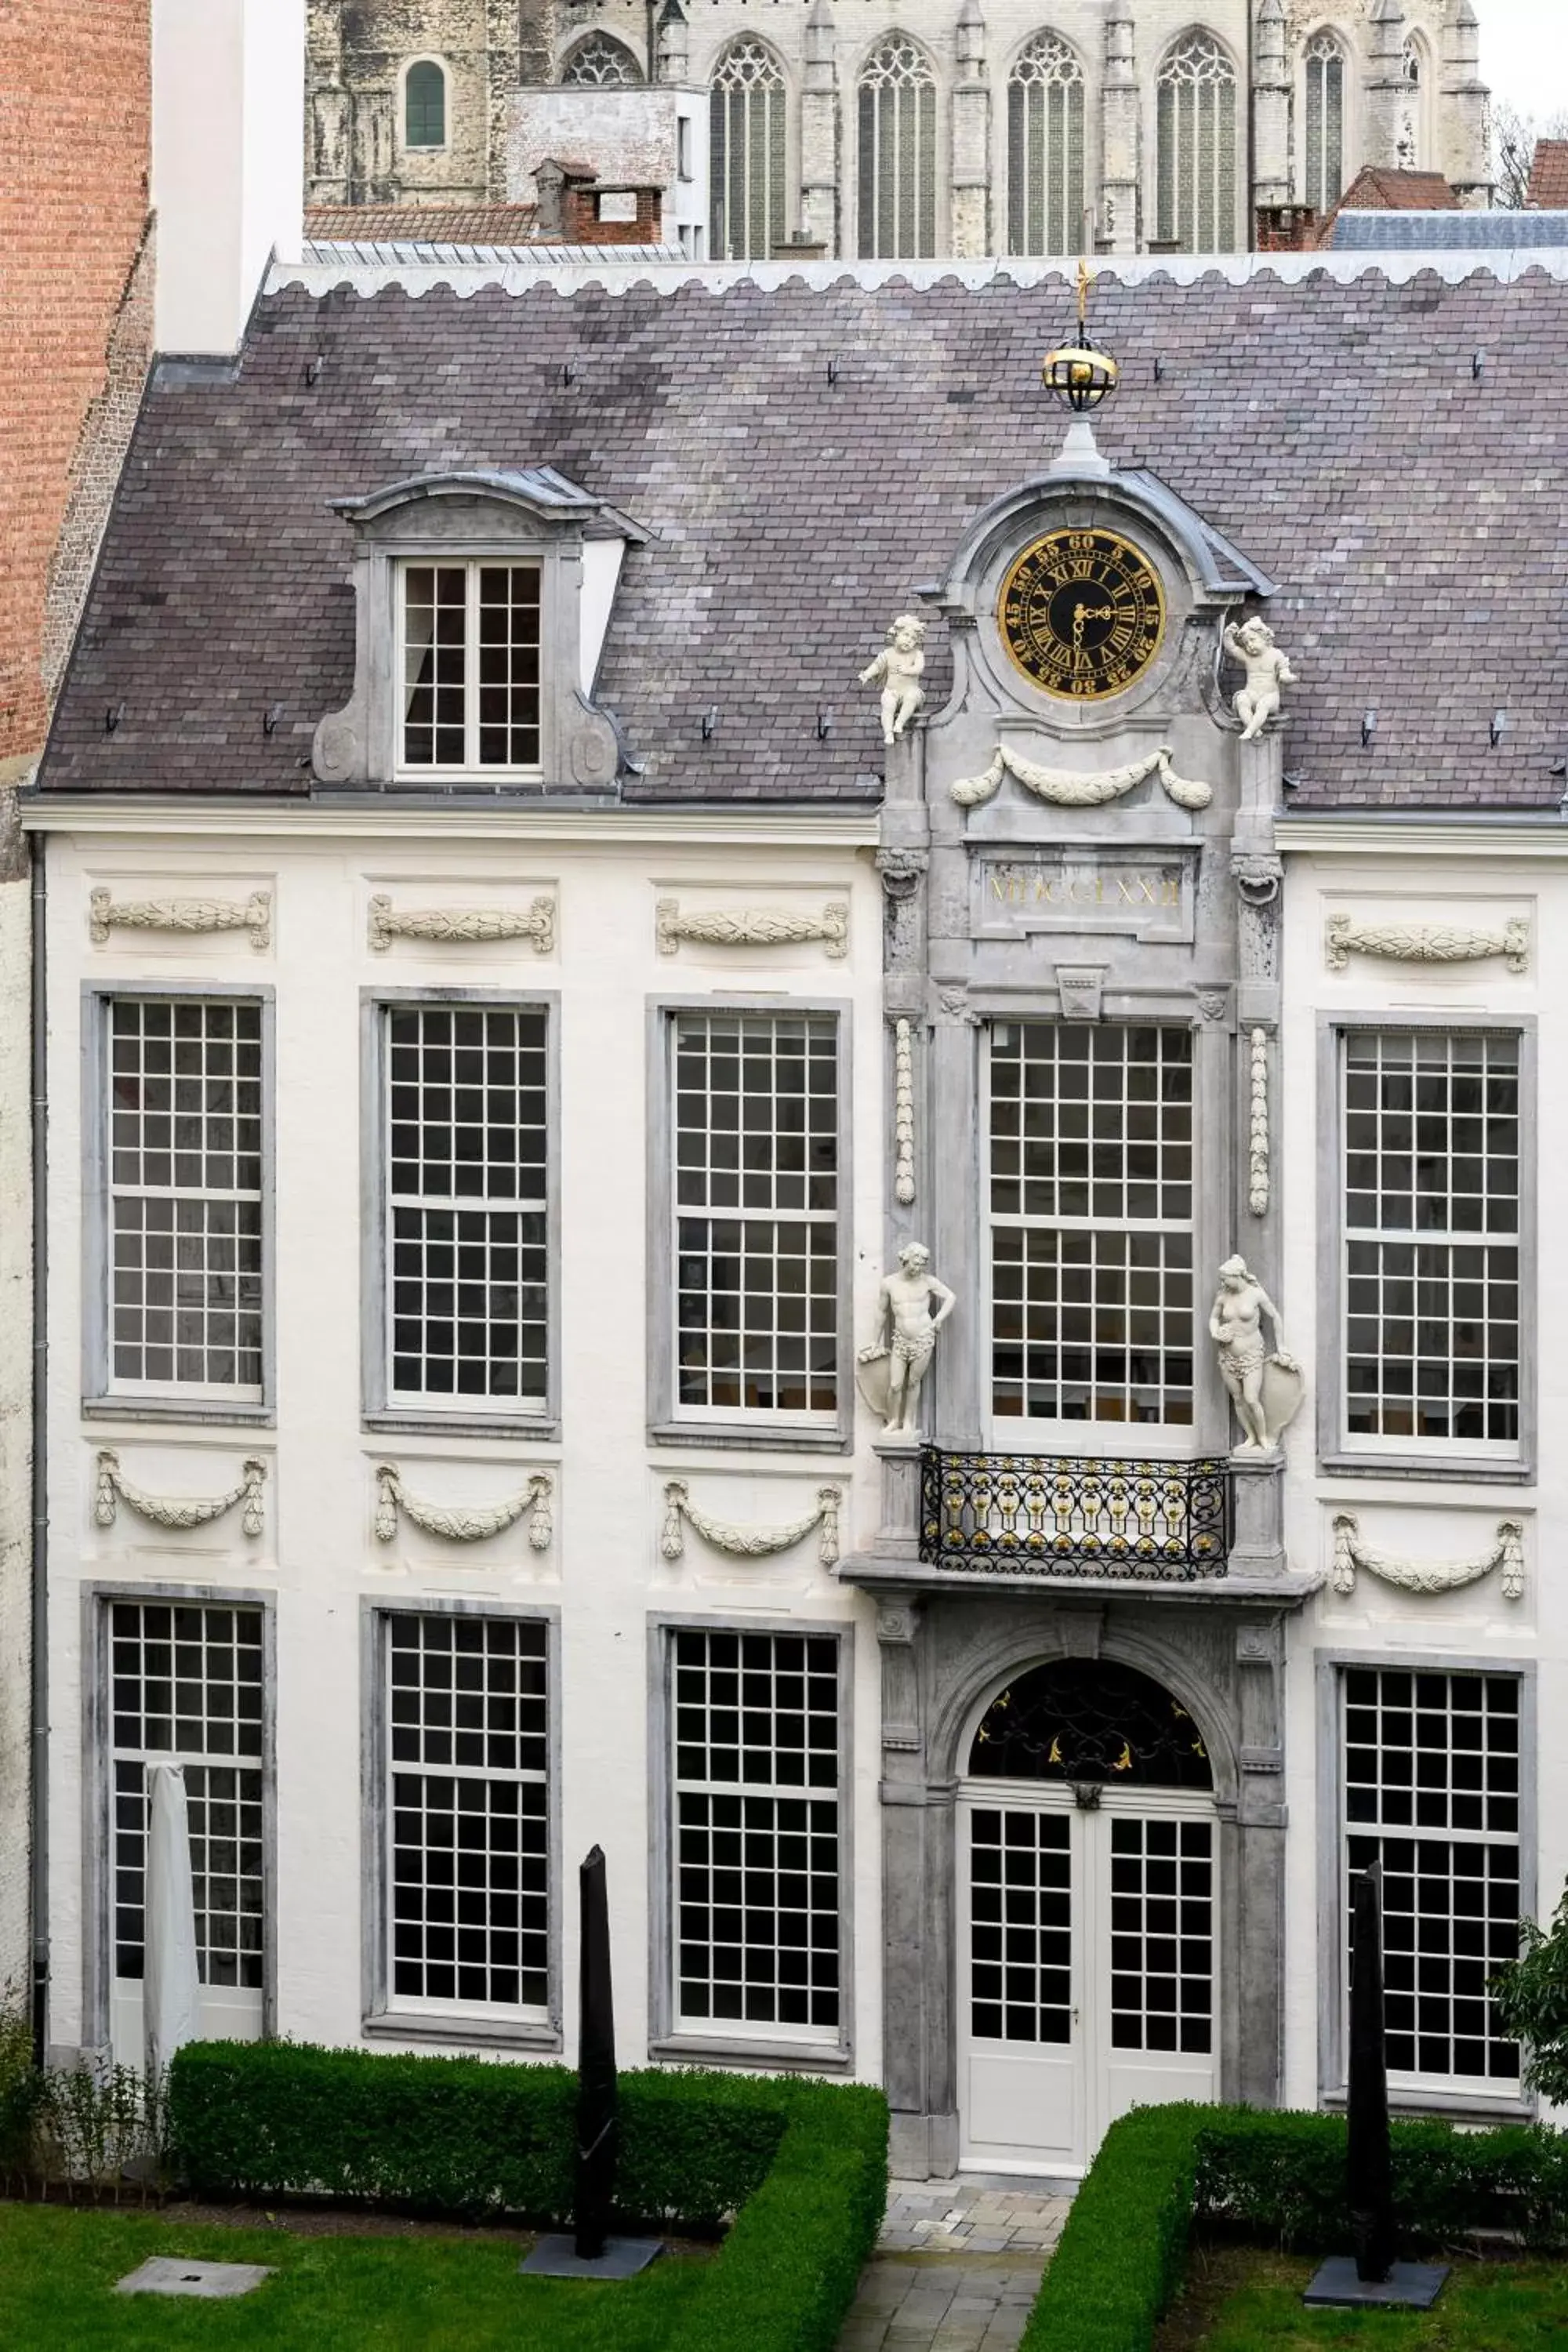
[228, 162]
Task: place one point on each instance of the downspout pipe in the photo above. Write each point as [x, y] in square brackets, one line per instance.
[39, 1792]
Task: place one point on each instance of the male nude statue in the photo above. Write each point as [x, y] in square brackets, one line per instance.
[1268, 670]
[906, 1330]
[898, 670]
[1235, 1327]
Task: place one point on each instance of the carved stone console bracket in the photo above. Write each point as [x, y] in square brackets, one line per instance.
[904, 1113]
[1071, 788]
[177, 1510]
[1258, 1127]
[459, 1526]
[758, 926]
[1424, 942]
[463, 926]
[748, 1542]
[254, 915]
[1506, 1551]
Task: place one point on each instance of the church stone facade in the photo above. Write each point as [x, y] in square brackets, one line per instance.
[961, 127]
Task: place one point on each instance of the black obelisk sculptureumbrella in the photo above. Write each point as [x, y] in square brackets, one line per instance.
[1372, 2275]
[591, 2251]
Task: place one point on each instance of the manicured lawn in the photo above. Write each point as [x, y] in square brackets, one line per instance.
[58, 2270]
[1238, 2299]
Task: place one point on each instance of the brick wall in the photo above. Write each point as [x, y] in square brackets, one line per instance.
[75, 317]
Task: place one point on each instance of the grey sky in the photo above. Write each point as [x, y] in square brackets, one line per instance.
[1524, 52]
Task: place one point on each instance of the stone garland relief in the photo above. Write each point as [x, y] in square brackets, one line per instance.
[458, 1524]
[1506, 1551]
[758, 926]
[1258, 1185]
[1072, 788]
[254, 915]
[747, 1542]
[904, 1113]
[462, 926]
[177, 1510]
[1343, 936]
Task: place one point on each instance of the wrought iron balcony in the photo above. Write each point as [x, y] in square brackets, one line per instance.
[1047, 1514]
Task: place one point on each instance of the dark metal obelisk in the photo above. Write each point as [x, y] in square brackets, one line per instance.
[591, 2251]
[1373, 2275]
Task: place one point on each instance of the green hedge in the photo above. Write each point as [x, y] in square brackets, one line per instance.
[803, 2165]
[1281, 2178]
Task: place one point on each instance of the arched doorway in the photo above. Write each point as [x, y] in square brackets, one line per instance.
[1088, 1855]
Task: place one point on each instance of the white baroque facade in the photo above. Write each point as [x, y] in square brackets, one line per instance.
[934, 129]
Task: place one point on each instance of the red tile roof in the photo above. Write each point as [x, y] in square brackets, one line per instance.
[1378, 190]
[1548, 176]
[420, 223]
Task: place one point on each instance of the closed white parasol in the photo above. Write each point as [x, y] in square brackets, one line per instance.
[171, 1987]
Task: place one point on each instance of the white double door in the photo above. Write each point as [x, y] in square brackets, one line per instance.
[1086, 1967]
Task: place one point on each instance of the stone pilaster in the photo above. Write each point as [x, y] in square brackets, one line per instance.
[672, 42]
[1117, 224]
[503, 44]
[819, 131]
[372, 153]
[1464, 109]
[971, 191]
[1270, 109]
[1386, 95]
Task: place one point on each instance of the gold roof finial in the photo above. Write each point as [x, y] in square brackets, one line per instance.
[1085, 280]
[1079, 374]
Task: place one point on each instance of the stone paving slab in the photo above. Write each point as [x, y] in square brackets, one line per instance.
[957, 2267]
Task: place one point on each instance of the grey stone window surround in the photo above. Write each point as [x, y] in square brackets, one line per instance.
[1334, 1455]
[378, 1411]
[745, 2050]
[756, 1432]
[99, 1402]
[377, 2019]
[97, 1861]
[1488, 2106]
[960, 1216]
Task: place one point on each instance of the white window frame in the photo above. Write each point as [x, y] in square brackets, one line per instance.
[1437, 1456]
[1014, 1434]
[1466, 2097]
[411, 772]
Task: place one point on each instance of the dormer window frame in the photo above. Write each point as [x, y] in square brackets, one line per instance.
[536, 521]
[407, 771]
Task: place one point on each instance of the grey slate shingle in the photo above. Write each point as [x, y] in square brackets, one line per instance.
[1412, 515]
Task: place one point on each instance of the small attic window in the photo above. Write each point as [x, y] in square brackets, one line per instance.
[425, 106]
[468, 663]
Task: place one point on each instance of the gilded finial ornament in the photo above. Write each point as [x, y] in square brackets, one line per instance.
[1078, 373]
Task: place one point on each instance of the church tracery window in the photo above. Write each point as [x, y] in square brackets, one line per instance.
[1412, 128]
[600, 62]
[1196, 139]
[746, 130]
[897, 114]
[1325, 126]
[1045, 148]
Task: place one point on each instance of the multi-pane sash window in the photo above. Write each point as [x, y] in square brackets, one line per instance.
[898, 152]
[467, 1813]
[1325, 121]
[1045, 148]
[185, 1194]
[470, 666]
[1091, 1222]
[756, 1205]
[1196, 147]
[465, 1124]
[186, 1688]
[1431, 1237]
[1431, 1775]
[747, 153]
[757, 1832]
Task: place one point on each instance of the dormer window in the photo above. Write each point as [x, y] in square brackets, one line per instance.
[470, 666]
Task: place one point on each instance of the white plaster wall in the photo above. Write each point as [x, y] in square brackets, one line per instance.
[629, 136]
[1473, 880]
[320, 1558]
[15, 1429]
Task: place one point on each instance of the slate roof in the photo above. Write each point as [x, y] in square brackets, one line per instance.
[1447, 232]
[1548, 176]
[1332, 428]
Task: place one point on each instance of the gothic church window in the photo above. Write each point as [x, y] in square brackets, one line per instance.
[746, 129]
[1045, 148]
[599, 61]
[1196, 200]
[1325, 140]
[1412, 137]
[425, 105]
[898, 152]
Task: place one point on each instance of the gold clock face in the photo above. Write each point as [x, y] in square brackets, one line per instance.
[1082, 614]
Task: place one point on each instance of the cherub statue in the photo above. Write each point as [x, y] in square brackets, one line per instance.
[906, 1335]
[898, 670]
[1268, 670]
[1265, 1388]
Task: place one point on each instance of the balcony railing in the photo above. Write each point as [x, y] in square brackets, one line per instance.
[1044, 1514]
